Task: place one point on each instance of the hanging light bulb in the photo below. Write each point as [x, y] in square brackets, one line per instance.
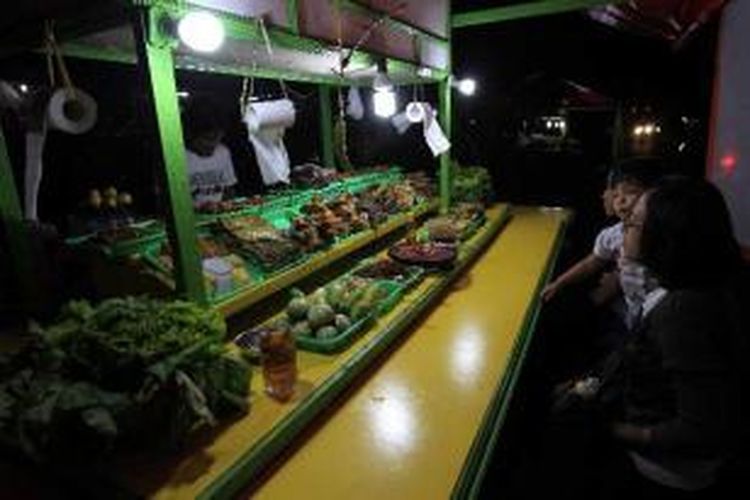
[384, 103]
[467, 86]
[382, 82]
[201, 31]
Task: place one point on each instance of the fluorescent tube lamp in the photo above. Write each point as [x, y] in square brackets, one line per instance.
[384, 103]
[201, 31]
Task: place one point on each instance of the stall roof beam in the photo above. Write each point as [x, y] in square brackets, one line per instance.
[392, 21]
[251, 31]
[523, 11]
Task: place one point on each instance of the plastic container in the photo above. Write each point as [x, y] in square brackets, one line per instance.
[347, 337]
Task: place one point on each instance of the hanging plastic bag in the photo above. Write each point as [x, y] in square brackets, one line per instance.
[266, 122]
[433, 133]
[355, 109]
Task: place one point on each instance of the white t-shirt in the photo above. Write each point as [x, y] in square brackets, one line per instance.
[210, 175]
[608, 244]
[637, 284]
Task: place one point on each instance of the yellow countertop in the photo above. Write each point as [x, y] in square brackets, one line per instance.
[407, 430]
[212, 459]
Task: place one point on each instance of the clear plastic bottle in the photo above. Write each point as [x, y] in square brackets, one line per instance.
[279, 363]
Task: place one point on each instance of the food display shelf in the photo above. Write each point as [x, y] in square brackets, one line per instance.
[236, 454]
[254, 292]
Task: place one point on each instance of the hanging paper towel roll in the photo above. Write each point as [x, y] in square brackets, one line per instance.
[72, 111]
[270, 114]
[271, 154]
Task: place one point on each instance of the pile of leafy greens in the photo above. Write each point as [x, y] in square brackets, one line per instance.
[471, 184]
[130, 370]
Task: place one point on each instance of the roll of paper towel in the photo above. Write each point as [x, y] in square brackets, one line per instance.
[279, 113]
[72, 111]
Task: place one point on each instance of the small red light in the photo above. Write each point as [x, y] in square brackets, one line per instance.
[728, 163]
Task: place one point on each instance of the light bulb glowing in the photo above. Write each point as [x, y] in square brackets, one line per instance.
[384, 103]
[201, 31]
[382, 82]
[23, 88]
[467, 86]
[638, 131]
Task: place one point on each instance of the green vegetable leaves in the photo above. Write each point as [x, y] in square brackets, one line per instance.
[126, 368]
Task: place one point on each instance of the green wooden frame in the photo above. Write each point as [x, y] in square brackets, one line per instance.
[326, 126]
[523, 11]
[155, 49]
[155, 56]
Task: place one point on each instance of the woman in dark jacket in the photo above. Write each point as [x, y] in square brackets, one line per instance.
[680, 372]
[671, 396]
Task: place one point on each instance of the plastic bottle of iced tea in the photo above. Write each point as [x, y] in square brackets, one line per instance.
[279, 363]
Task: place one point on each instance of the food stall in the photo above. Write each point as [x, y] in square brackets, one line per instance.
[424, 308]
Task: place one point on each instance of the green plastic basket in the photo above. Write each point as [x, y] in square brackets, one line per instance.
[347, 337]
[337, 343]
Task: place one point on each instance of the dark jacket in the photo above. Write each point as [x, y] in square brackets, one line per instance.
[681, 373]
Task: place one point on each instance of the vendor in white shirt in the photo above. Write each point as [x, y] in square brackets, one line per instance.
[209, 163]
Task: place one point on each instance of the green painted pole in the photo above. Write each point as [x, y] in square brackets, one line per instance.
[155, 58]
[444, 114]
[326, 126]
[12, 218]
[524, 10]
[292, 15]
